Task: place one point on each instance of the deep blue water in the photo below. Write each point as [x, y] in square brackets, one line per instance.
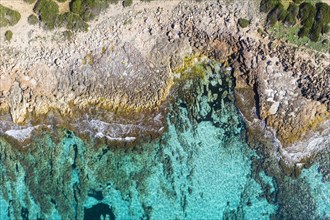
[200, 168]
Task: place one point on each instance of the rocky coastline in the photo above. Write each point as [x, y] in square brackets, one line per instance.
[120, 76]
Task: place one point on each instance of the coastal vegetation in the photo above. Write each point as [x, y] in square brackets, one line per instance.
[47, 10]
[307, 14]
[71, 21]
[243, 22]
[80, 12]
[89, 9]
[48, 13]
[292, 13]
[278, 13]
[127, 3]
[306, 18]
[8, 17]
[309, 18]
[32, 19]
[9, 35]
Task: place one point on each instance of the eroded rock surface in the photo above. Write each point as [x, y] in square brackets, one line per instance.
[124, 66]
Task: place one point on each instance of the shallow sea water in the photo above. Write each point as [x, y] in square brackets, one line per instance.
[200, 168]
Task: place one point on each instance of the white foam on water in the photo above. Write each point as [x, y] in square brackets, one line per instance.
[21, 134]
[127, 139]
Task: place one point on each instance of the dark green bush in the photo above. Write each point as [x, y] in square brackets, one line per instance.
[8, 16]
[88, 9]
[32, 19]
[323, 16]
[277, 14]
[322, 19]
[47, 11]
[75, 7]
[306, 15]
[315, 32]
[127, 3]
[292, 13]
[267, 5]
[71, 21]
[243, 22]
[307, 12]
[323, 11]
[9, 35]
[303, 32]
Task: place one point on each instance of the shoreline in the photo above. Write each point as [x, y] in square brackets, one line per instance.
[45, 74]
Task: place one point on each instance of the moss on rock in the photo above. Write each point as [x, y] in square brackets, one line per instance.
[243, 22]
[67, 35]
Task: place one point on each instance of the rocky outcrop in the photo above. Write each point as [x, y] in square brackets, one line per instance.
[124, 66]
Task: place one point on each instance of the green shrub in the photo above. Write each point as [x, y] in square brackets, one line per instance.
[323, 16]
[315, 31]
[127, 3]
[243, 22]
[61, 1]
[306, 14]
[47, 11]
[67, 35]
[8, 16]
[9, 35]
[322, 19]
[75, 7]
[303, 32]
[277, 14]
[267, 5]
[32, 19]
[30, 1]
[293, 11]
[71, 21]
[88, 9]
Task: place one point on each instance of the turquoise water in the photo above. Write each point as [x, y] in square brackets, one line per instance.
[200, 168]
